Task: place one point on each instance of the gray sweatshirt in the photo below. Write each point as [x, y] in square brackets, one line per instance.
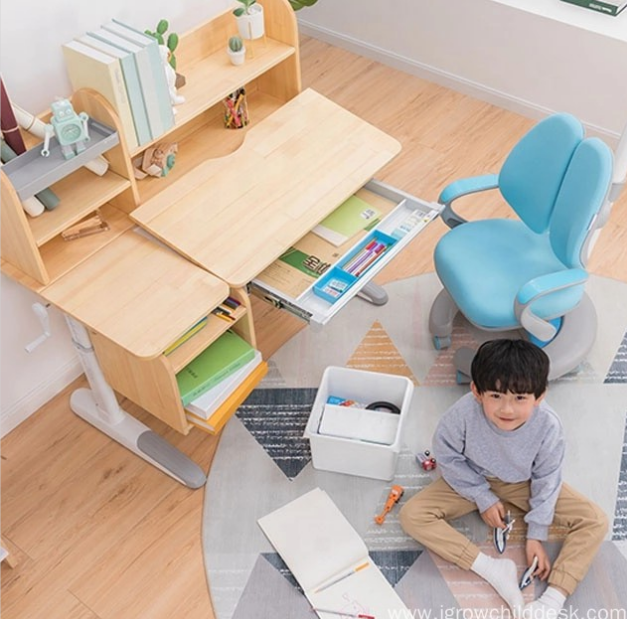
[469, 448]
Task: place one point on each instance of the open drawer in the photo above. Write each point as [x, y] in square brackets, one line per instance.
[315, 279]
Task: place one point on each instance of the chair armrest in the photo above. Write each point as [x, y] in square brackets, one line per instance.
[460, 188]
[539, 287]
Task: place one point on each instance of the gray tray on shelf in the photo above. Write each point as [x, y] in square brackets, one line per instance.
[30, 172]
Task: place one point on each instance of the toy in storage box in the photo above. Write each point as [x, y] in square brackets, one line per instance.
[367, 450]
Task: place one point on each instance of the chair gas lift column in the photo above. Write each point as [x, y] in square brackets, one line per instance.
[529, 274]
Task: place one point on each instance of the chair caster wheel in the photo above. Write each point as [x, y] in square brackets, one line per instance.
[461, 378]
[441, 342]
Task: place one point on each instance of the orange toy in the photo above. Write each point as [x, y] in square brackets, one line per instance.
[393, 498]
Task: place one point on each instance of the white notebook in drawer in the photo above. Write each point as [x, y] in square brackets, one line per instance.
[329, 559]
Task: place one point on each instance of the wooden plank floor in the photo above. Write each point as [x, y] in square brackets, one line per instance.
[99, 534]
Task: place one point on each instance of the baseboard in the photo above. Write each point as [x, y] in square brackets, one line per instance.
[443, 78]
[44, 392]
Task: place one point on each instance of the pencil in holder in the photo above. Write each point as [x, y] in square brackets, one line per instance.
[236, 110]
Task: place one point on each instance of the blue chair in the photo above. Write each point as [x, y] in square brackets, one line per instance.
[528, 273]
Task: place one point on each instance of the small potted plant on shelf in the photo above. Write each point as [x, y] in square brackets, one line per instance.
[249, 19]
[171, 43]
[236, 50]
[300, 4]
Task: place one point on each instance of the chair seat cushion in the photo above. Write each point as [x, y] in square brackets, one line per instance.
[483, 264]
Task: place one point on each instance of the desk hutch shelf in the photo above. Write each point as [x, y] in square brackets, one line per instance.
[84, 275]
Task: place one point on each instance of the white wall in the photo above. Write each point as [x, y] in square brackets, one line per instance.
[31, 35]
[552, 56]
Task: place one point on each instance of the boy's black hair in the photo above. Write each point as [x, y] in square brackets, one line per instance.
[517, 366]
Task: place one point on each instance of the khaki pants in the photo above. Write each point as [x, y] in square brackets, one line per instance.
[424, 517]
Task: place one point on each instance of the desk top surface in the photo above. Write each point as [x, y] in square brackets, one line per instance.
[138, 294]
[235, 215]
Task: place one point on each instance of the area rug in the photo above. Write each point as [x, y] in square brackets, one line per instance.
[263, 462]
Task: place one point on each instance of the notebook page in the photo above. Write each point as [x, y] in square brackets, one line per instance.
[365, 591]
[314, 539]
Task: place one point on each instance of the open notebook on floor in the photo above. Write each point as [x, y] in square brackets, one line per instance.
[329, 559]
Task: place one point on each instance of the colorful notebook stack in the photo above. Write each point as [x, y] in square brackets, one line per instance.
[124, 65]
[225, 356]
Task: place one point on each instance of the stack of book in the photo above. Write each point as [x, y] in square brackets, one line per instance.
[124, 65]
[214, 377]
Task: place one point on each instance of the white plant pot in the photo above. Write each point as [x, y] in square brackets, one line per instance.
[236, 58]
[251, 25]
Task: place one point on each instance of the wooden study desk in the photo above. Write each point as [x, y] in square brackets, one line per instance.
[236, 215]
[209, 228]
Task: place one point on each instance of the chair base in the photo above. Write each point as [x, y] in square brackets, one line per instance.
[565, 351]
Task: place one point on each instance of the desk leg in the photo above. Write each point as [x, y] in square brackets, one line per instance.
[373, 293]
[99, 407]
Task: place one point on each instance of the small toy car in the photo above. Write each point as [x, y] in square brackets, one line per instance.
[426, 460]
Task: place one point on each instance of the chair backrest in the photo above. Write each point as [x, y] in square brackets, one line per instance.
[581, 197]
[532, 174]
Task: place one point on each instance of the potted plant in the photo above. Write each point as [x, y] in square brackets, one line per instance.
[171, 43]
[249, 19]
[236, 50]
[299, 4]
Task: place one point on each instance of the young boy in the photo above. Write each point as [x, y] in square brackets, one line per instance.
[499, 444]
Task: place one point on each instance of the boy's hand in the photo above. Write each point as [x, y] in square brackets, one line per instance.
[534, 548]
[493, 516]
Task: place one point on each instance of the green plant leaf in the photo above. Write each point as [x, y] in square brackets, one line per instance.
[159, 39]
[173, 61]
[162, 26]
[239, 12]
[173, 41]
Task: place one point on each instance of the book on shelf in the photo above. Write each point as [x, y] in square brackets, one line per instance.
[148, 85]
[610, 7]
[347, 220]
[162, 93]
[131, 80]
[218, 361]
[186, 336]
[226, 409]
[89, 68]
[206, 404]
[329, 559]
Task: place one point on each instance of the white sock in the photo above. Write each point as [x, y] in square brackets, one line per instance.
[547, 606]
[503, 576]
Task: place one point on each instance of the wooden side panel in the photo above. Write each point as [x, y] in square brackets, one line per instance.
[284, 80]
[150, 383]
[119, 158]
[18, 246]
[245, 325]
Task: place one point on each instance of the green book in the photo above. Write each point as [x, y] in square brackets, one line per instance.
[610, 7]
[226, 355]
[347, 220]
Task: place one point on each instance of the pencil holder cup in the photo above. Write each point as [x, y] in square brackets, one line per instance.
[236, 110]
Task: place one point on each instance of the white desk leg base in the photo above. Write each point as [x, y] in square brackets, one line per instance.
[99, 407]
[140, 439]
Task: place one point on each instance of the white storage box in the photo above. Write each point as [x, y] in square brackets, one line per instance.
[354, 456]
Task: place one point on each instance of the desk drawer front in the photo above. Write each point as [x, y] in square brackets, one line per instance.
[315, 279]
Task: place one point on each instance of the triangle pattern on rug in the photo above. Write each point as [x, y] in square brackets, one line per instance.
[276, 418]
[443, 372]
[377, 353]
[394, 563]
[619, 529]
[274, 559]
[267, 596]
[618, 370]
